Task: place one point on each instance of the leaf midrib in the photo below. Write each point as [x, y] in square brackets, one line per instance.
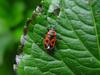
[95, 28]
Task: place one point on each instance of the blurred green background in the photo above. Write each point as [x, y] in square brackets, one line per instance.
[13, 14]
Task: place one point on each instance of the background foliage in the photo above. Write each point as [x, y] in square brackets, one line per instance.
[13, 14]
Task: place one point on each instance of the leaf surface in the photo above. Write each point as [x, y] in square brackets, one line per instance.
[77, 50]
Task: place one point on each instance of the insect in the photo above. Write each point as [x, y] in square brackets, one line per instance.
[50, 40]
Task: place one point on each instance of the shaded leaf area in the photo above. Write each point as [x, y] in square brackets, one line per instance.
[77, 50]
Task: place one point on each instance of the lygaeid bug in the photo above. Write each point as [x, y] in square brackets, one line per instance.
[50, 40]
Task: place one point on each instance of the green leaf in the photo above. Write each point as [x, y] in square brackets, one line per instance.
[77, 50]
[96, 12]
